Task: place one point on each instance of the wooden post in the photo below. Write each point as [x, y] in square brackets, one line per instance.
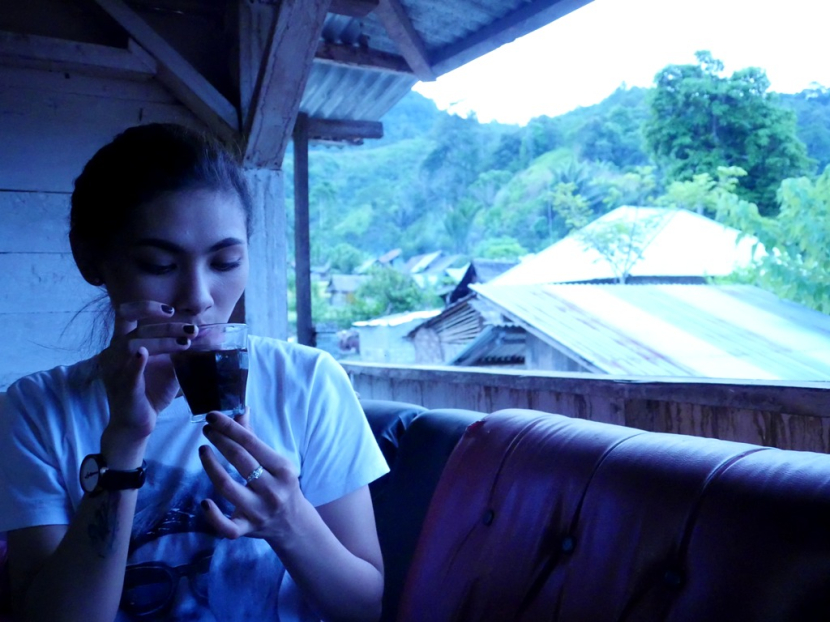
[302, 236]
[266, 304]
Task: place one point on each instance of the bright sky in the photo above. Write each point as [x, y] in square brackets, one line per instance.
[580, 59]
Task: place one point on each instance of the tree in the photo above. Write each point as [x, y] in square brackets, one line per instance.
[796, 264]
[812, 109]
[703, 194]
[620, 242]
[500, 248]
[389, 291]
[615, 138]
[701, 120]
[345, 258]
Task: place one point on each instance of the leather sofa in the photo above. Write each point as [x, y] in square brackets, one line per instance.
[524, 515]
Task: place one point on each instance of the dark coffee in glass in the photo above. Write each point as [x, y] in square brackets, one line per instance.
[213, 372]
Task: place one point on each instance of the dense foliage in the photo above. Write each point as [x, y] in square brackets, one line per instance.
[698, 139]
[701, 119]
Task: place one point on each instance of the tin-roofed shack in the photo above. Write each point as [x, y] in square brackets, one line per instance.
[256, 73]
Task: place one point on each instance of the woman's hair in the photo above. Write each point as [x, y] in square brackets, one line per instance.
[141, 164]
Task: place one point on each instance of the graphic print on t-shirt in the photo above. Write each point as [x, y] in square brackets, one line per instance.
[179, 570]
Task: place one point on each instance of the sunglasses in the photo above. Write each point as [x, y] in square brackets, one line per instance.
[149, 588]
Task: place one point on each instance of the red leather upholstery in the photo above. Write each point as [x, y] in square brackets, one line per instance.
[543, 517]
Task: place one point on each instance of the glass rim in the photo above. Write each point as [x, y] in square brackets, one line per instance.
[218, 324]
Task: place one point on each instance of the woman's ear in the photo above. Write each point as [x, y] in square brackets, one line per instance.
[86, 260]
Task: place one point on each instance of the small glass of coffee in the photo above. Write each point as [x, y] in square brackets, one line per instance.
[213, 371]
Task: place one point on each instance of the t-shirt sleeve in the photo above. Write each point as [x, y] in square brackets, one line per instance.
[341, 453]
[32, 490]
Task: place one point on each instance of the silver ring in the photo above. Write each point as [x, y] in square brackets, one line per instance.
[255, 474]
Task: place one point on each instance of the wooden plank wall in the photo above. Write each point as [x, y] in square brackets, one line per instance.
[785, 415]
[51, 123]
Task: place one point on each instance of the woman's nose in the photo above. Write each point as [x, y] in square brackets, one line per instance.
[194, 294]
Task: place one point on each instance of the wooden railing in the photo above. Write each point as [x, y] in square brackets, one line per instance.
[776, 414]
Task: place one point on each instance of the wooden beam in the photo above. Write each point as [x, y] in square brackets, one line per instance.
[353, 8]
[361, 58]
[89, 59]
[178, 75]
[400, 29]
[336, 130]
[526, 19]
[265, 304]
[255, 22]
[302, 237]
[282, 79]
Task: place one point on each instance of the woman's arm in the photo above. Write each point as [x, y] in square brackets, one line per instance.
[336, 559]
[76, 571]
[331, 552]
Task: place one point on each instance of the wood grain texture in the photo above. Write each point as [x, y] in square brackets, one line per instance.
[34, 222]
[361, 58]
[266, 306]
[775, 414]
[283, 75]
[48, 136]
[23, 50]
[73, 83]
[395, 20]
[190, 86]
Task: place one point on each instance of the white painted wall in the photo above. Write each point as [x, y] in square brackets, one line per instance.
[50, 125]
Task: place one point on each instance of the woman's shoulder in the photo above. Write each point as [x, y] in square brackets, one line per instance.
[270, 350]
[57, 383]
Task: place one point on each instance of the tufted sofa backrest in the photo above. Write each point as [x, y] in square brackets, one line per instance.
[543, 517]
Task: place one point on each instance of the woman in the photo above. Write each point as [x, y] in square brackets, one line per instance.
[186, 525]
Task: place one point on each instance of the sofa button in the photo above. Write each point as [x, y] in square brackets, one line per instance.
[568, 544]
[672, 578]
[488, 517]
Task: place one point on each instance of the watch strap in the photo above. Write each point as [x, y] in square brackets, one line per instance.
[112, 479]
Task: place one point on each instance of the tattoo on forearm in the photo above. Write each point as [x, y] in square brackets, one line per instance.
[103, 528]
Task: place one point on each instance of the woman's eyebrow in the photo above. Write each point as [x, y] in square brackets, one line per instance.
[166, 245]
[225, 243]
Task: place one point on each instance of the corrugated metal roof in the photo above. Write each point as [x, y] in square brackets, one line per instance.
[397, 319]
[335, 92]
[736, 331]
[495, 345]
[446, 30]
[488, 269]
[682, 244]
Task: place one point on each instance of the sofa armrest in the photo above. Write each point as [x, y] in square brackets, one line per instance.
[401, 504]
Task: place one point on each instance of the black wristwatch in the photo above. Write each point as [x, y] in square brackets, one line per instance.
[97, 477]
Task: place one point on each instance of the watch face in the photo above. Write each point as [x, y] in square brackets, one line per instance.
[90, 472]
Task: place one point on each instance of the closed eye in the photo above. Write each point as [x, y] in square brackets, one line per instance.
[156, 269]
[225, 266]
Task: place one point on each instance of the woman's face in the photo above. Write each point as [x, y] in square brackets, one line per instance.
[185, 249]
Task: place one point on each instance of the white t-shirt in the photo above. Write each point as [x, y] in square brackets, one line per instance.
[302, 405]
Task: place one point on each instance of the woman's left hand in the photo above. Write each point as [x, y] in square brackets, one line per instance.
[268, 505]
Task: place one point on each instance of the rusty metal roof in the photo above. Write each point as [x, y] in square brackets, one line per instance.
[711, 331]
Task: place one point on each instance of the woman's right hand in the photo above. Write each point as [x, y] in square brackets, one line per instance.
[136, 368]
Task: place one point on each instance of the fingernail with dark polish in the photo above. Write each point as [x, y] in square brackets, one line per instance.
[189, 329]
[205, 431]
[182, 341]
[205, 505]
[167, 309]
